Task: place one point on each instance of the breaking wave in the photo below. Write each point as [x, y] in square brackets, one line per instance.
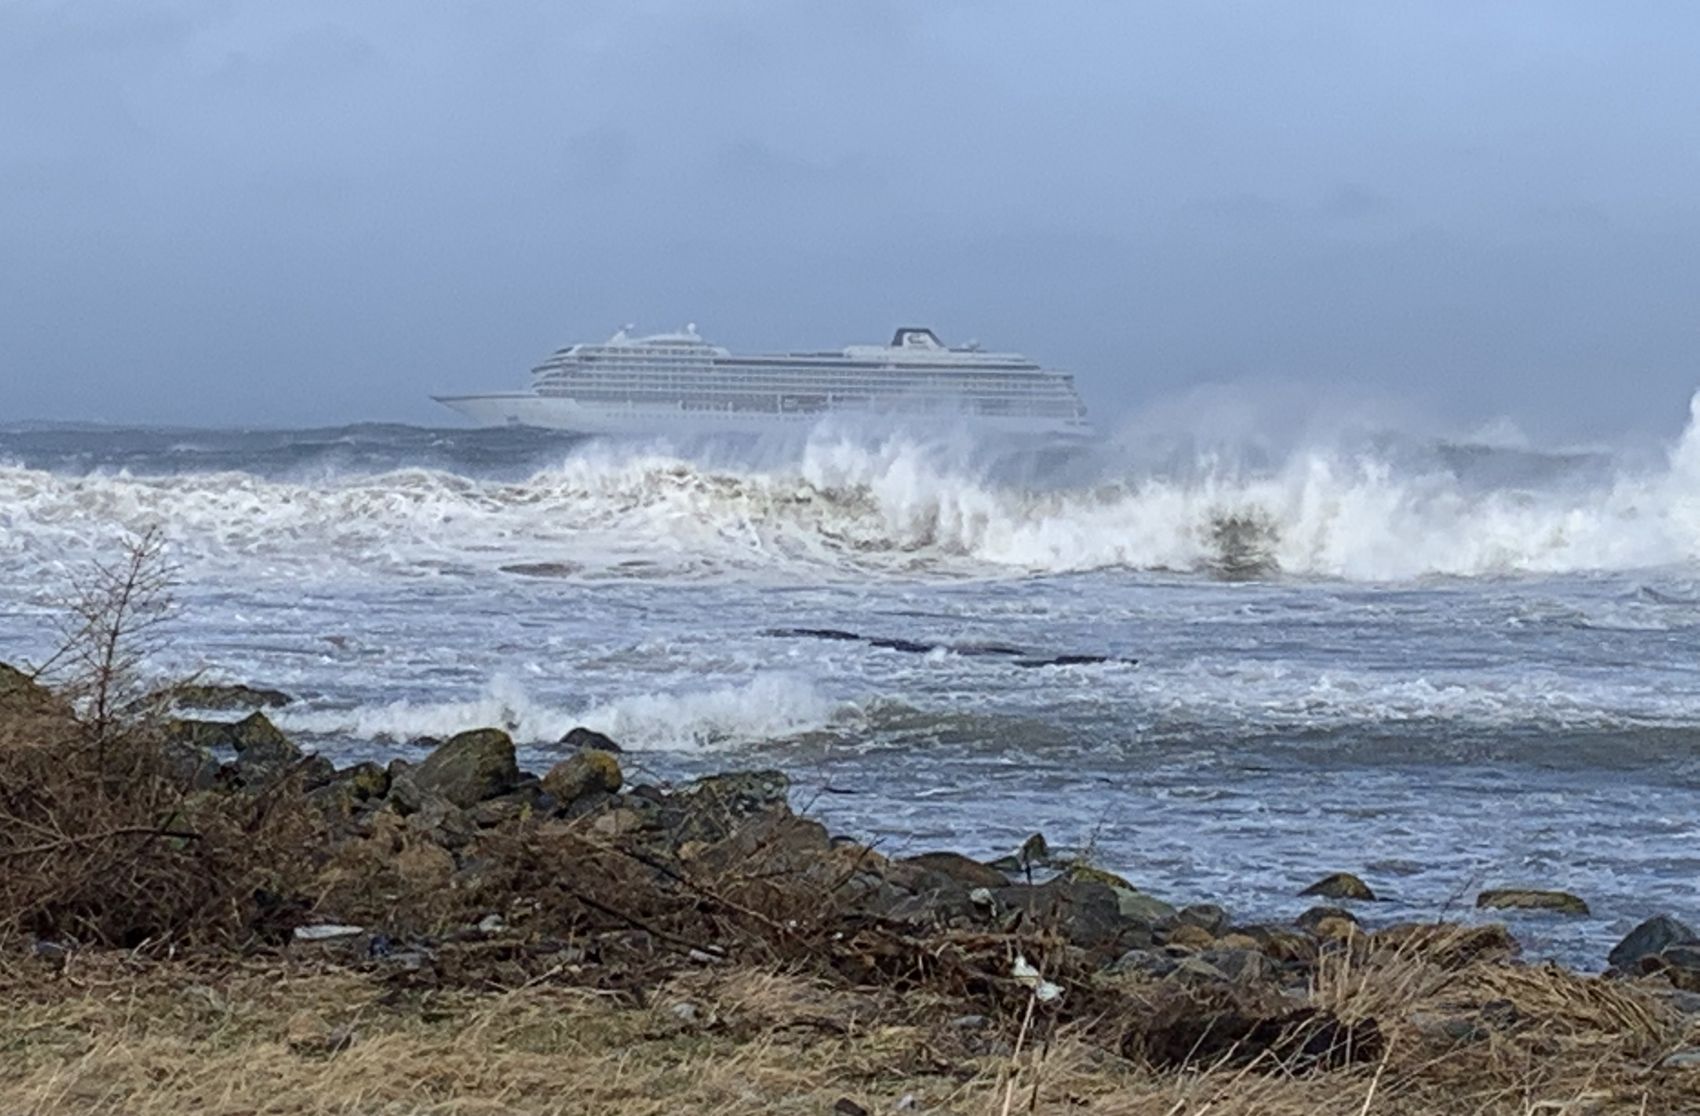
[839, 505]
[766, 707]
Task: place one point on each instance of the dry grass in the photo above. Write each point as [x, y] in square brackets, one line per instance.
[113, 1033]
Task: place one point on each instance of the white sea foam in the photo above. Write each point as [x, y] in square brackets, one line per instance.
[765, 707]
[864, 508]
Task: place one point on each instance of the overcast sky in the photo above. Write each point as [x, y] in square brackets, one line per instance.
[316, 212]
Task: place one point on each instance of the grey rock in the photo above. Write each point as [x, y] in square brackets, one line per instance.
[589, 738]
[1686, 1059]
[1205, 916]
[960, 869]
[1144, 961]
[469, 768]
[589, 771]
[1653, 936]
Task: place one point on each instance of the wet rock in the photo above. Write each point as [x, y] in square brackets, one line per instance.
[469, 768]
[1340, 885]
[1316, 916]
[589, 771]
[1531, 899]
[1080, 870]
[1087, 913]
[1652, 937]
[1206, 916]
[220, 697]
[960, 869]
[581, 737]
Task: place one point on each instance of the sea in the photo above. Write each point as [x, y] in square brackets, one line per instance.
[1221, 667]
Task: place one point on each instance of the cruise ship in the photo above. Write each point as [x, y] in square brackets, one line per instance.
[679, 383]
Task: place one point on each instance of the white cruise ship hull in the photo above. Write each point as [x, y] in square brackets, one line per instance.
[558, 413]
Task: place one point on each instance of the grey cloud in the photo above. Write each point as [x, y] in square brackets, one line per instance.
[322, 211]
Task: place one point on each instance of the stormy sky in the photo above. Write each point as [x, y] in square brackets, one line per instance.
[318, 212]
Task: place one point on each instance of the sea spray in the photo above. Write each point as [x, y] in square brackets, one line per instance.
[833, 505]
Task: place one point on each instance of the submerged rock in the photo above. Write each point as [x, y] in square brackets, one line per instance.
[1649, 939]
[1340, 885]
[469, 768]
[1532, 899]
[223, 696]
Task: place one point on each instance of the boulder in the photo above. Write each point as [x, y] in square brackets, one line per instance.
[959, 869]
[1650, 938]
[263, 752]
[589, 771]
[1531, 899]
[1085, 912]
[1136, 906]
[1316, 916]
[1080, 870]
[469, 768]
[1186, 935]
[1206, 916]
[190, 765]
[715, 806]
[1340, 885]
[582, 737]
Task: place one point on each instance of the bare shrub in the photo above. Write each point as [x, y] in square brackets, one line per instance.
[102, 837]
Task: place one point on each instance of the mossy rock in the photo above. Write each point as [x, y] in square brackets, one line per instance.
[469, 768]
[1080, 870]
[586, 772]
[1532, 899]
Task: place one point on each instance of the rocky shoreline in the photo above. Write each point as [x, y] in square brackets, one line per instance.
[463, 872]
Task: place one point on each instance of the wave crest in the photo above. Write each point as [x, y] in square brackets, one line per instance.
[901, 506]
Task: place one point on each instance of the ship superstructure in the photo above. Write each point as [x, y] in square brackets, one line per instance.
[636, 384]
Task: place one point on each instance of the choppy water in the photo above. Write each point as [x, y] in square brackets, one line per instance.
[1441, 666]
